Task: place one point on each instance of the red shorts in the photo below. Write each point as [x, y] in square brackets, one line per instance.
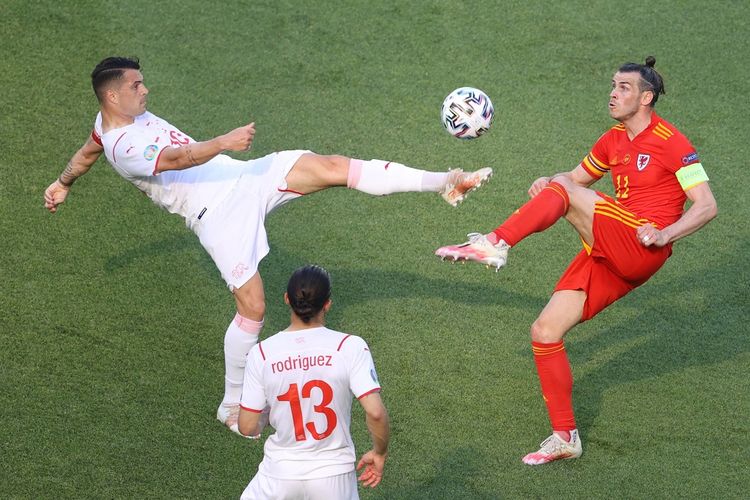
[617, 263]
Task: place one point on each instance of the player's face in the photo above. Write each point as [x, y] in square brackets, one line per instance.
[132, 93]
[626, 97]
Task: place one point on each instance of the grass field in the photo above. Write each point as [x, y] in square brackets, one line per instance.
[113, 316]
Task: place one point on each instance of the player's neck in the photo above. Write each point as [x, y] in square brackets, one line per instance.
[297, 324]
[112, 119]
[637, 123]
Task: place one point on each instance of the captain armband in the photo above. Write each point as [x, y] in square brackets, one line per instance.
[691, 176]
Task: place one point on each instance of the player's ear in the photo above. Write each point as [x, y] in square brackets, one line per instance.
[286, 299]
[110, 95]
[327, 305]
[647, 97]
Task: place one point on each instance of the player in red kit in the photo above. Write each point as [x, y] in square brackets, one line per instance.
[626, 239]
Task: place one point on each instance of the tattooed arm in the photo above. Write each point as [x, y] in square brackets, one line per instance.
[81, 162]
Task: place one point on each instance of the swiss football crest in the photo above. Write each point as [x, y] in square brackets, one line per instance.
[643, 161]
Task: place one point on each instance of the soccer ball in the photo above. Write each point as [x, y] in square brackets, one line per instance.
[467, 113]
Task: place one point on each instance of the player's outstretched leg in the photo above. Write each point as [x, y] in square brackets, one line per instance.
[478, 248]
[313, 172]
[539, 213]
[556, 448]
[380, 177]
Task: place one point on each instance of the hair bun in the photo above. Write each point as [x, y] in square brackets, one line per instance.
[650, 61]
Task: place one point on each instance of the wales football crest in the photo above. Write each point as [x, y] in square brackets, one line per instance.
[643, 161]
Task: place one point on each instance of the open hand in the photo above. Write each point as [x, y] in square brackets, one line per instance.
[373, 464]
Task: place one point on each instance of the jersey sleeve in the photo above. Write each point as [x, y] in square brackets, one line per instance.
[682, 160]
[596, 163]
[363, 379]
[680, 153]
[96, 132]
[136, 154]
[253, 394]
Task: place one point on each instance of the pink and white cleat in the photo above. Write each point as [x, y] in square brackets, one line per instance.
[556, 448]
[461, 183]
[478, 249]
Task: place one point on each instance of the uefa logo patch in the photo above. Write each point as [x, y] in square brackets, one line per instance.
[150, 152]
[689, 158]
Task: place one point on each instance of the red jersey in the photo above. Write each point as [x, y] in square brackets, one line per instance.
[644, 170]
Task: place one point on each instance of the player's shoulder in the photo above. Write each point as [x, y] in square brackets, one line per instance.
[351, 345]
[614, 134]
[666, 131]
[320, 337]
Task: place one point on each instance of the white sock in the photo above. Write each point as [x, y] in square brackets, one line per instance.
[380, 177]
[241, 336]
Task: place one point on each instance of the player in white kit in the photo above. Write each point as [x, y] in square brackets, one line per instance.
[223, 200]
[308, 375]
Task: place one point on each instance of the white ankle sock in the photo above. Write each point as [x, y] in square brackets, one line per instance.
[242, 335]
[380, 177]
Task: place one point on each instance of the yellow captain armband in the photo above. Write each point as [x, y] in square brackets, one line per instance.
[691, 176]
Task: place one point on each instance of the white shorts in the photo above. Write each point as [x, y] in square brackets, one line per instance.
[233, 233]
[341, 487]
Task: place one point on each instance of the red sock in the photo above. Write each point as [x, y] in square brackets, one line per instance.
[535, 215]
[557, 383]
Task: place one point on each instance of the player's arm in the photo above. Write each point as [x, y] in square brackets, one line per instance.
[376, 417]
[249, 423]
[703, 208]
[78, 165]
[578, 175]
[197, 153]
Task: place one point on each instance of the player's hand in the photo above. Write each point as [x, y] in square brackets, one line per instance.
[649, 235]
[373, 464]
[239, 139]
[54, 195]
[538, 185]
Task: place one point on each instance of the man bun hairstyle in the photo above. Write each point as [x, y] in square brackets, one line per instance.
[308, 290]
[110, 70]
[650, 79]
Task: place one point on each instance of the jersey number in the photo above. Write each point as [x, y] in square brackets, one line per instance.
[293, 397]
[621, 189]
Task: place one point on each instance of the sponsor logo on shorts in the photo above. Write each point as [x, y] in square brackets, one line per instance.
[643, 161]
[690, 158]
[150, 152]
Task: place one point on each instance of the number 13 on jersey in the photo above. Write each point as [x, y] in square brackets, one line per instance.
[293, 397]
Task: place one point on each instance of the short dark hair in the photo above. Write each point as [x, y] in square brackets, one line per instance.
[110, 69]
[650, 78]
[308, 290]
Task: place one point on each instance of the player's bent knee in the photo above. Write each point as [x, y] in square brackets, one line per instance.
[250, 307]
[564, 181]
[543, 333]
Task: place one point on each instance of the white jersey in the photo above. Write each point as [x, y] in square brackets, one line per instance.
[308, 378]
[134, 152]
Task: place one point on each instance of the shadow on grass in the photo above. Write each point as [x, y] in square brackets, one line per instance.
[466, 466]
[361, 285]
[697, 319]
[139, 256]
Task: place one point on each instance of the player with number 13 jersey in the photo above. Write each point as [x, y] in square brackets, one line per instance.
[308, 374]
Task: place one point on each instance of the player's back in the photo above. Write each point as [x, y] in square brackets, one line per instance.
[308, 377]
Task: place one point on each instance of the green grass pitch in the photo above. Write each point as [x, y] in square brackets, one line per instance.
[112, 316]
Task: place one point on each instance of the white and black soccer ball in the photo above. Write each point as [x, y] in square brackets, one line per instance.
[467, 113]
